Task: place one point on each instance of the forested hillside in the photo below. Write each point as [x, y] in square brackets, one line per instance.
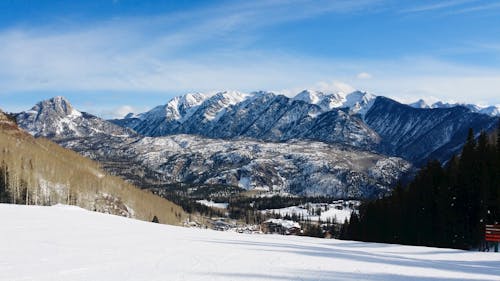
[444, 206]
[39, 172]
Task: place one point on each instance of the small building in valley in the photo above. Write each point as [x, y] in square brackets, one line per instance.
[280, 226]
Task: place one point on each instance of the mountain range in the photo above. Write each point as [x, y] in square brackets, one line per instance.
[358, 119]
[356, 145]
[492, 110]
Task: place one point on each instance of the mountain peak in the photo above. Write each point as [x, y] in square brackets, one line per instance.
[58, 105]
[310, 96]
[57, 118]
[420, 104]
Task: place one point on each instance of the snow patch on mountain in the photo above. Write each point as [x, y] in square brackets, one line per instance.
[356, 102]
[298, 167]
[491, 110]
[57, 118]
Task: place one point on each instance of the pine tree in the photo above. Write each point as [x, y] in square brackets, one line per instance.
[155, 219]
[444, 207]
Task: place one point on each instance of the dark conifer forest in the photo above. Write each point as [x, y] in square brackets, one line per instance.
[444, 206]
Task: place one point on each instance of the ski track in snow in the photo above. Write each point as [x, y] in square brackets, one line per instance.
[68, 243]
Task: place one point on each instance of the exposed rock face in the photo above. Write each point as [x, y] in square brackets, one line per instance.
[56, 118]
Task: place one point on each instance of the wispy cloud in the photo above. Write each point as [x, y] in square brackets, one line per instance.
[440, 5]
[215, 48]
[477, 8]
[364, 75]
[158, 53]
[454, 7]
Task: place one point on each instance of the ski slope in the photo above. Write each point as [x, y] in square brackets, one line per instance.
[68, 243]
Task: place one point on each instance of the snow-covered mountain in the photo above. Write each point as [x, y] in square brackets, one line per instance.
[416, 132]
[56, 118]
[221, 139]
[298, 167]
[420, 104]
[355, 102]
[264, 115]
[493, 110]
[420, 134]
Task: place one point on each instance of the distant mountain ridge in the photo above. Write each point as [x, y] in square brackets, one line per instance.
[261, 115]
[298, 166]
[246, 140]
[417, 132]
[492, 110]
[421, 134]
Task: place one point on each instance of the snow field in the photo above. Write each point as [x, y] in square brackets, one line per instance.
[68, 243]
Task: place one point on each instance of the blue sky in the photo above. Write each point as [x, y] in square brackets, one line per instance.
[110, 57]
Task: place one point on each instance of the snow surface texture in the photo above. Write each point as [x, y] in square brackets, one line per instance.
[68, 243]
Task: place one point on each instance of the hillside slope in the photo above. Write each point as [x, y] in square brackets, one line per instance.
[298, 167]
[67, 243]
[40, 172]
[419, 135]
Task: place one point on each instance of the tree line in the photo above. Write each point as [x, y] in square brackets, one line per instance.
[444, 206]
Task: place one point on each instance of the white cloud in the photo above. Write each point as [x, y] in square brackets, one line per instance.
[112, 112]
[334, 86]
[149, 53]
[437, 6]
[134, 55]
[364, 75]
[124, 110]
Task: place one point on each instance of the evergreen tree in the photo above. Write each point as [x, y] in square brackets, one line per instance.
[443, 206]
[155, 219]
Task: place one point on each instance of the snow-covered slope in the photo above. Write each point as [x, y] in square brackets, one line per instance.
[420, 104]
[181, 112]
[356, 102]
[298, 167]
[56, 118]
[421, 134]
[67, 243]
[492, 110]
